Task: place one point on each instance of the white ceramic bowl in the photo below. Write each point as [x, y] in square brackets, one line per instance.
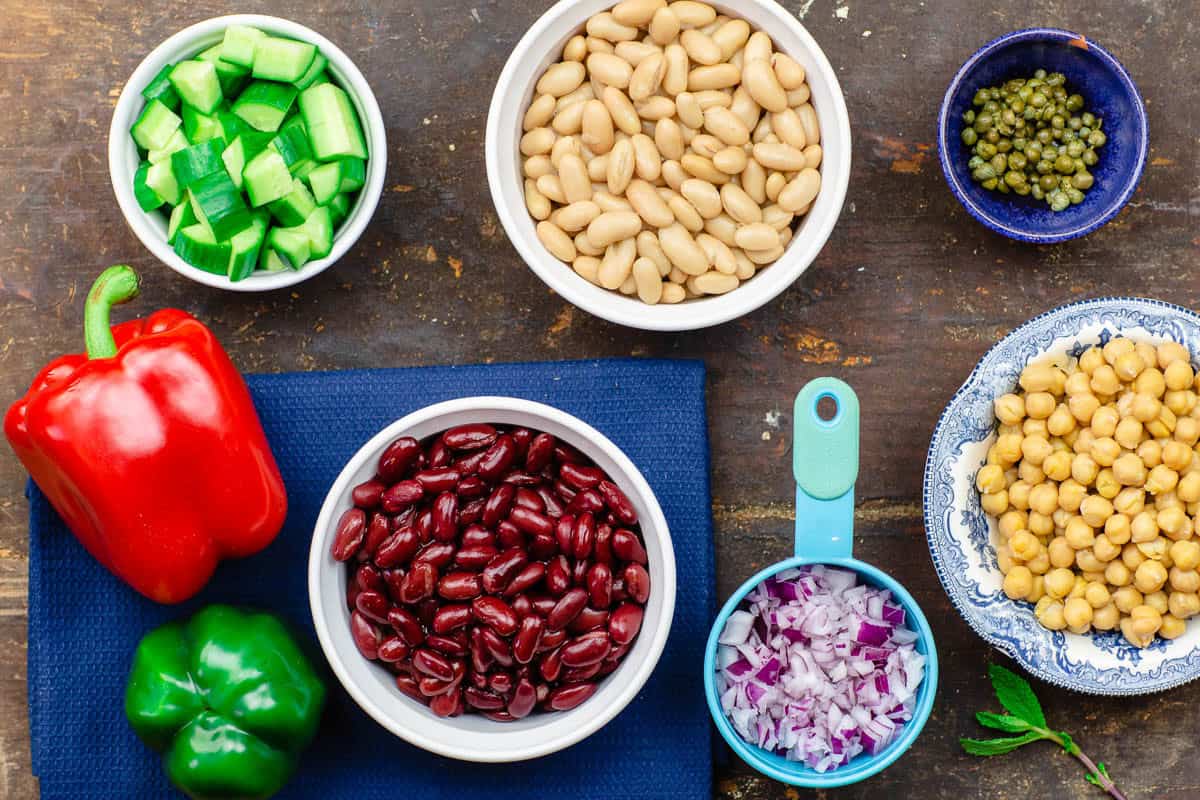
[151, 227]
[473, 737]
[541, 47]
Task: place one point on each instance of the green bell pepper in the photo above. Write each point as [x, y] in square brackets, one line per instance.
[228, 698]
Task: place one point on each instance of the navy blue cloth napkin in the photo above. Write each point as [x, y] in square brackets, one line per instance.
[84, 623]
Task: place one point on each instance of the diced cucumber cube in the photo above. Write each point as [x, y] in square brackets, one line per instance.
[217, 202]
[292, 143]
[160, 89]
[161, 179]
[200, 127]
[292, 244]
[176, 143]
[326, 181]
[339, 208]
[301, 168]
[316, 70]
[270, 261]
[354, 174]
[264, 105]
[196, 245]
[197, 85]
[147, 198]
[266, 178]
[239, 43]
[246, 246]
[332, 124]
[294, 207]
[319, 229]
[285, 60]
[181, 217]
[155, 126]
[245, 147]
[232, 77]
[197, 161]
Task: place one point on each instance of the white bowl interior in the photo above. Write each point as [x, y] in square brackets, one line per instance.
[963, 538]
[473, 737]
[541, 47]
[151, 228]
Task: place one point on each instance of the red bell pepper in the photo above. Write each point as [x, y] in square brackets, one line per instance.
[149, 447]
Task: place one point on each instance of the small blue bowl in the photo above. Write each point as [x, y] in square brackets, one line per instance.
[1109, 93]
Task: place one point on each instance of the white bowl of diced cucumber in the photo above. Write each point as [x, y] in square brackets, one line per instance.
[247, 152]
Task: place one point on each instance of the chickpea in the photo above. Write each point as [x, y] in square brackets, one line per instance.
[1058, 467]
[1150, 382]
[1095, 512]
[1180, 402]
[1106, 451]
[1060, 552]
[1035, 449]
[1004, 559]
[1042, 378]
[1039, 405]
[1106, 618]
[990, 479]
[1008, 448]
[1070, 495]
[1117, 574]
[1148, 353]
[1092, 577]
[1035, 427]
[1050, 614]
[1083, 442]
[1130, 501]
[1043, 498]
[1040, 524]
[1184, 580]
[1179, 375]
[1018, 494]
[1129, 433]
[1167, 500]
[1059, 582]
[1150, 576]
[1105, 549]
[1078, 533]
[1084, 469]
[1176, 456]
[1161, 479]
[1175, 523]
[1039, 564]
[1077, 383]
[1010, 409]
[1188, 489]
[995, 503]
[1024, 545]
[1097, 594]
[1106, 484]
[1087, 562]
[1117, 530]
[1038, 591]
[1172, 627]
[1128, 366]
[1018, 583]
[1012, 521]
[1183, 605]
[1150, 452]
[1187, 431]
[1127, 598]
[1104, 421]
[1141, 625]
[1146, 408]
[1186, 554]
[1171, 351]
[1091, 359]
[1144, 527]
[1069, 438]
[1156, 550]
[1083, 407]
[1077, 612]
[1131, 556]
[1117, 347]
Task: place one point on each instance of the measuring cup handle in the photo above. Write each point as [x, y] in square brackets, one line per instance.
[825, 465]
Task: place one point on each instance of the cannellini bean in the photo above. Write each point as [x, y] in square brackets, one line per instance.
[673, 293]
[713, 282]
[648, 76]
[758, 48]
[719, 76]
[701, 167]
[617, 263]
[688, 108]
[540, 112]
[808, 118]
[763, 132]
[813, 155]
[801, 191]
[620, 167]
[587, 267]
[668, 138]
[646, 157]
[779, 156]
[538, 141]
[613, 226]
[674, 174]
[648, 247]
[551, 187]
[621, 109]
[556, 241]
[759, 79]
[693, 14]
[683, 211]
[675, 79]
[610, 69]
[745, 108]
[648, 204]
[790, 74]
[565, 145]
[656, 108]
[636, 52]
[724, 228]
[637, 13]
[740, 205]
[731, 37]
[706, 145]
[569, 121]
[777, 217]
[701, 48]
[608, 202]
[731, 160]
[745, 267]
[703, 196]
[576, 216]
[584, 245]
[764, 257]
[719, 254]
[758, 236]
[537, 203]
[664, 27]
[580, 95]
[708, 98]
[726, 126]
[649, 282]
[537, 166]
[605, 26]
[561, 78]
[776, 181]
[598, 169]
[754, 181]
[575, 49]
[598, 134]
[597, 45]
[787, 126]
[682, 249]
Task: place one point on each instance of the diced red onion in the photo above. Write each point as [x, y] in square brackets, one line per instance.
[818, 667]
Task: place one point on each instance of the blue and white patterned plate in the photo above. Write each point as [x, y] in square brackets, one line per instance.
[961, 537]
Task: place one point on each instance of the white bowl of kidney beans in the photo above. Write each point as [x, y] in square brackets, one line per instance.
[491, 579]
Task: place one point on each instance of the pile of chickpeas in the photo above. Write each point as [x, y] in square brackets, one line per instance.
[671, 153]
[1095, 486]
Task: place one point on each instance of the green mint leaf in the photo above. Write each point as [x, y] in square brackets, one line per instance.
[1092, 779]
[1016, 695]
[1002, 722]
[1103, 769]
[996, 747]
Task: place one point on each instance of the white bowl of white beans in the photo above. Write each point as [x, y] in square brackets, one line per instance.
[668, 165]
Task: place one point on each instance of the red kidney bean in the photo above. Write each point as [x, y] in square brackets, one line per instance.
[392, 650]
[558, 576]
[637, 582]
[523, 699]
[553, 507]
[366, 495]
[564, 452]
[525, 643]
[469, 464]
[427, 609]
[481, 657]
[527, 498]
[348, 536]
[378, 529]
[437, 554]
[405, 518]
[469, 437]
[589, 619]
[498, 504]
[459, 586]
[499, 457]
[579, 573]
[397, 549]
[501, 569]
[588, 649]
[447, 705]
[550, 667]
[368, 577]
[531, 522]
[438, 480]
[449, 618]
[352, 593]
[373, 605]
[518, 478]
[566, 493]
[479, 680]
[407, 685]
[565, 698]
[472, 512]
[432, 687]
[445, 517]
[476, 535]
[541, 450]
[393, 580]
[438, 455]
[602, 551]
[424, 525]
[587, 500]
[495, 613]
[397, 458]
[567, 608]
[617, 502]
[599, 585]
[496, 647]
[625, 623]
[419, 583]
[400, 496]
[528, 577]
[407, 626]
[522, 605]
[509, 535]
[435, 665]
[564, 533]
[365, 634]
[580, 477]
[625, 546]
[446, 645]
[551, 640]
[483, 700]
[618, 591]
[581, 674]
[471, 487]
[475, 557]
[583, 537]
[543, 548]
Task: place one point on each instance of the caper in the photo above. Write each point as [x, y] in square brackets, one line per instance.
[1064, 164]
[1097, 138]
[1082, 180]
[1048, 183]
[1089, 157]
[1058, 200]
[969, 137]
[1075, 196]
[1017, 160]
[990, 184]
[969, 116]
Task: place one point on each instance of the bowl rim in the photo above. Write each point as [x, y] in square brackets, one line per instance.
[929, 519]
[847, 774]
[1059, 35]
[694, 314]
[540, 412]
[130, 102]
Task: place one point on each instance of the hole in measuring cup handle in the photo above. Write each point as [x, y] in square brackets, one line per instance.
[827, 409]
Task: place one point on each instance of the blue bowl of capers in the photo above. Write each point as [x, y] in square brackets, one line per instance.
[1043, 135]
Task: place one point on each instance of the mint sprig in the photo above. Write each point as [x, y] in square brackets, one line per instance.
[1026, 718]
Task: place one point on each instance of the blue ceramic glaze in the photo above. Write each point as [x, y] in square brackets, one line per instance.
[1109, 93]
[825, 464]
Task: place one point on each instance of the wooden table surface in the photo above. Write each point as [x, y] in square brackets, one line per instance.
[905, 298]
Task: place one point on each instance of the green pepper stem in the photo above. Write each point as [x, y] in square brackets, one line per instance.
[118, 284]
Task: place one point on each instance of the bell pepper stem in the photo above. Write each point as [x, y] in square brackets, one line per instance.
[118, 284]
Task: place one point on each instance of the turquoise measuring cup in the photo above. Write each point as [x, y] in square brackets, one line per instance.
[825, 465]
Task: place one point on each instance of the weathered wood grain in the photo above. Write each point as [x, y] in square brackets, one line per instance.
[903, 301]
